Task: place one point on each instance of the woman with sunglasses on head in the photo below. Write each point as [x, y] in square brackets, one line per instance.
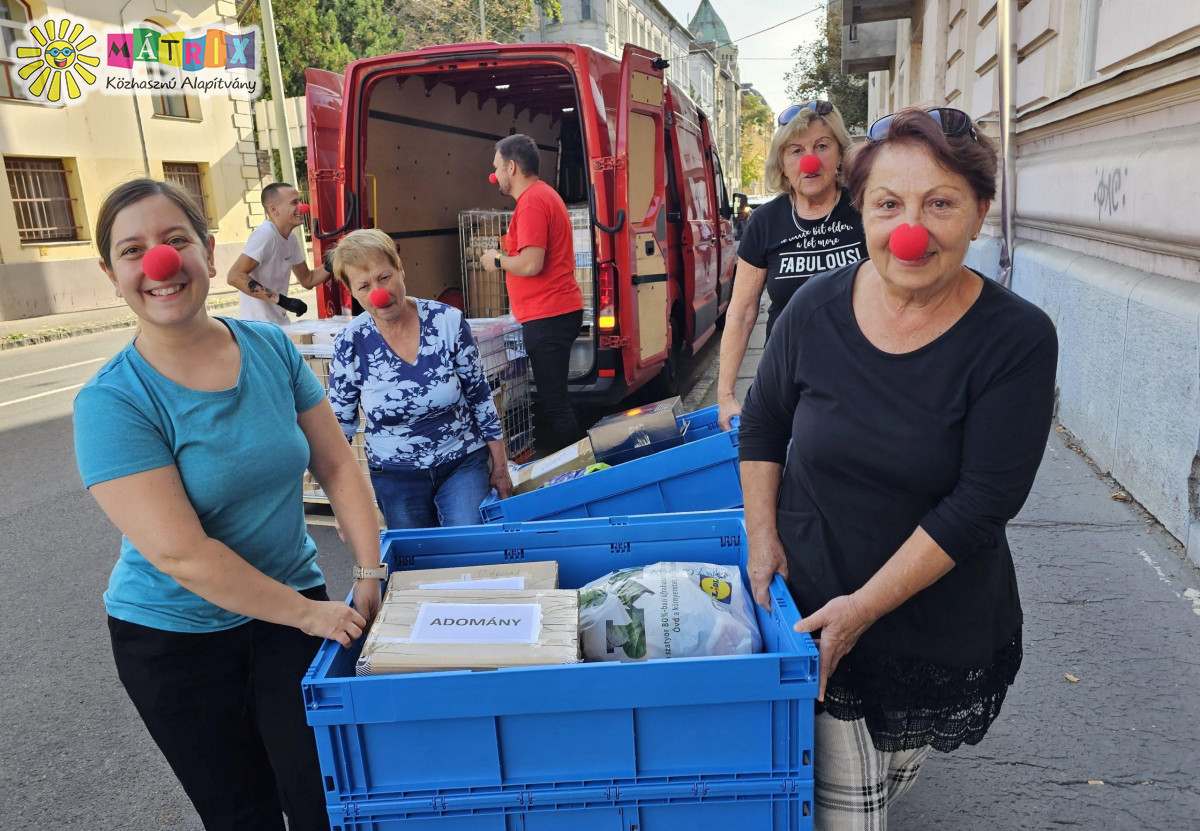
[194, 440]
[917, 398]
[809, 228]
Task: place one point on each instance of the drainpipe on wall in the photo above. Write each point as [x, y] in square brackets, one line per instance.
[137, 110]
[1007, 50]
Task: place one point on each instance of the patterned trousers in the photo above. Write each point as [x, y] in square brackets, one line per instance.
[855, 784]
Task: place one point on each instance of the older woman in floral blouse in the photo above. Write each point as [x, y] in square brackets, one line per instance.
[414, 367]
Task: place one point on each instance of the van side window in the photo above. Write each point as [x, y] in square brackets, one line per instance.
[722, 194]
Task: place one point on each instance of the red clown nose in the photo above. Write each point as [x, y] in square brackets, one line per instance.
[492, 178]
[304, 207]
[162, 262]
[908, 242]
[380, 298]
[810, 164]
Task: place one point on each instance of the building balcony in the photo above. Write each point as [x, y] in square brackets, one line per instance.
[868, 47]
[876, 11]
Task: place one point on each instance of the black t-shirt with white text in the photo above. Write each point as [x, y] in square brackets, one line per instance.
[793, 249]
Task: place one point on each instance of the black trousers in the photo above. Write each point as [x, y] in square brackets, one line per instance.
[548, 343]
[225, 708]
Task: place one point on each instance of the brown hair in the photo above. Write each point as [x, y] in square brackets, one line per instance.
[134, 191]
[973, 158]
[774, 177]
[358, 247]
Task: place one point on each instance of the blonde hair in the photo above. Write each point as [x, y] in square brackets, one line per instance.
[357, 248]
[775, 179]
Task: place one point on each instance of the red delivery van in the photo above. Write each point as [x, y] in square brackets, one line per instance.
[404, 143]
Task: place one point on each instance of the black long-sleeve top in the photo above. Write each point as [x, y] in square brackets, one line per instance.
[947, 437]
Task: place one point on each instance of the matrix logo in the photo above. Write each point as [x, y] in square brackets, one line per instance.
[199, 62]
[57, 61]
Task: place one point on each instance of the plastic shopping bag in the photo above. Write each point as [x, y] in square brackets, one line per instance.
[667, 610]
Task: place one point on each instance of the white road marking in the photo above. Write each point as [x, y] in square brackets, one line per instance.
[40, 395]
[54, 369]
[1194, 596]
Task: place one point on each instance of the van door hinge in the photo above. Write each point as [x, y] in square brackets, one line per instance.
[614, 342]
[609, 163]
[327, 175]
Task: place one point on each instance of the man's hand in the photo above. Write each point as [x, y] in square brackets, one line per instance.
[727, 409]
[293, 304]
[488, 260]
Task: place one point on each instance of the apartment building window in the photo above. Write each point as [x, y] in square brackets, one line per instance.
[585, 10]
[14, 15]
[166, 105]
[41, 196]
[190, 177]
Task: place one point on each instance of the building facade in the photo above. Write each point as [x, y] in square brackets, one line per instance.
[702, 61]
[1107, 134]
[61, 159]
[712, 36]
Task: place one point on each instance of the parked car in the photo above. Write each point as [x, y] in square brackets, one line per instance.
[405, 142]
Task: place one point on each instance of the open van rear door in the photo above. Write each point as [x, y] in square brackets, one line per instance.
[640, 187]
[326, 178]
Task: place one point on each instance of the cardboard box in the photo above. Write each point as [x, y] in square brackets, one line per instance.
[533, 475]
[426, 631]
[638, 432]
[542, 574]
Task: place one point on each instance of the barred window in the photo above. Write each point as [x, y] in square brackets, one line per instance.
[190, 177]
[42, 199]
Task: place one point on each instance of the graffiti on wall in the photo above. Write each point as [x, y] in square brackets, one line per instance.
[1108, 196]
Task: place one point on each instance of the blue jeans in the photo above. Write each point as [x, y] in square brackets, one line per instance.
[446, 494]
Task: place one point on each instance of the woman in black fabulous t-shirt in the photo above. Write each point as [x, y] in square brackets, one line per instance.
[916, 396]
[809, 228]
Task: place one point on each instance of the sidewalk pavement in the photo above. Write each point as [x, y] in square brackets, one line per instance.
[1102, 727]
[33, 330]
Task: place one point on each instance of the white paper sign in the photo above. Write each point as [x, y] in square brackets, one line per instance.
[503, 583]
[477, 623]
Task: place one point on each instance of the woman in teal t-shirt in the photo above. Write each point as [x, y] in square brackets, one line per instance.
[193, 440]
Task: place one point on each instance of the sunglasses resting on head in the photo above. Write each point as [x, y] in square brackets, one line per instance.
[952, 122]
[819, 107]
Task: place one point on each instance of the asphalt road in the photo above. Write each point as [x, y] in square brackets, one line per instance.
[1108, 597]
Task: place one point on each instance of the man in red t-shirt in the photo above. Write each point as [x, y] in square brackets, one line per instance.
[539, 267]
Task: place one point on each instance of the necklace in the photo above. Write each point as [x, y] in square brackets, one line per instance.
[796, 214]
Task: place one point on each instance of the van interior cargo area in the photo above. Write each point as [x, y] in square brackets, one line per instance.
[430, 140]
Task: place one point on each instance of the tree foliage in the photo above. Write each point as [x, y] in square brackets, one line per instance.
[818, 75]
[434, 22]
[757, 126]
[328, 34]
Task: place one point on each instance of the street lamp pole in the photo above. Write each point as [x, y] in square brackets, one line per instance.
[287, 162]
[1007, 51]
[482, 22]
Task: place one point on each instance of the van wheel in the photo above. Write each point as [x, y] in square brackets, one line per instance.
[666, 383]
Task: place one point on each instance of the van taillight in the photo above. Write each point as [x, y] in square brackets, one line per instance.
[607, 296]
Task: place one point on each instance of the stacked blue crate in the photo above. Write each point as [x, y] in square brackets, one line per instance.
[702, 474]
[696, 743]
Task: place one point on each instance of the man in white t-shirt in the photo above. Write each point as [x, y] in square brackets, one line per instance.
[272, 254]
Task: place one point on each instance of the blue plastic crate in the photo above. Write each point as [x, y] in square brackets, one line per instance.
[668, 805]
[500, 735]
[700, 475]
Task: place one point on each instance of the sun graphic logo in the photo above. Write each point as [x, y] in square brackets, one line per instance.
[58, 61]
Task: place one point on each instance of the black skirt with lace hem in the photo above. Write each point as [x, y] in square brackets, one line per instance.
[909, 703]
